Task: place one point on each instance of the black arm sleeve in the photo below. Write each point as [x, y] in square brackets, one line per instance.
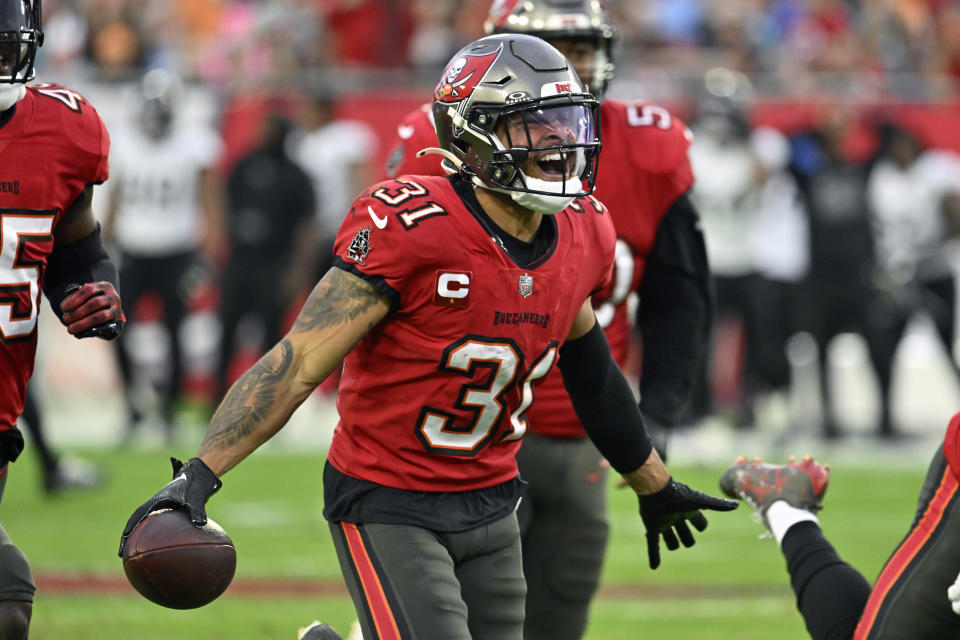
[675, 314]
[604, 401]
[78, 263]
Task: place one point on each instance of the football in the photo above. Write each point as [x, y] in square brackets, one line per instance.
[176, 564]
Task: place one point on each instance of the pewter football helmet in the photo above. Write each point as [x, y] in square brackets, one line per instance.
[512, 101]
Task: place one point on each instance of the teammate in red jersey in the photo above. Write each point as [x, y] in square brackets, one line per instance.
[451, 299]
[916, 595]
[54, 150]
[643, 179]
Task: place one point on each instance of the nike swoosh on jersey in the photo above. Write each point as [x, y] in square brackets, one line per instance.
[377, 220]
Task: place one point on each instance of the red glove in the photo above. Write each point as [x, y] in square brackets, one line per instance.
[93, 311]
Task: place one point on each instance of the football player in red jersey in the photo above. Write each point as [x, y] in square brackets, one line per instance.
[643, 179]
[450, 300]
[916, 595]
[54, 150]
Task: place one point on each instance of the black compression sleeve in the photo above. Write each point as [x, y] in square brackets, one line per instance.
[79, 262]
[603, 401]
[675, 314]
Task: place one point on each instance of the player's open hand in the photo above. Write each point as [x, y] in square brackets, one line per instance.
[93, 311]
[666, 512]
[192, 485]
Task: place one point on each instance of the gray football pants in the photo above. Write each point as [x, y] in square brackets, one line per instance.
[411, 583]
[909, 598]
[563, 530]
[16, 579]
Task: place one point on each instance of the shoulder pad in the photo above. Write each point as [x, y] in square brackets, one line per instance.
[78, 121]
[415, 132]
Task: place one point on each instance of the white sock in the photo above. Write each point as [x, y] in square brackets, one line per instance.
[781, 515]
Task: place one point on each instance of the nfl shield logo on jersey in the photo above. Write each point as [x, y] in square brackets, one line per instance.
[360, 246]
[526, 285]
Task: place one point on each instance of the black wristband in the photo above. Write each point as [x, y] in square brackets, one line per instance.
[604, 402]
[77, 263]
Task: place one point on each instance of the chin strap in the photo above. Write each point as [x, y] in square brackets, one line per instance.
[452, 165]
[447, 157]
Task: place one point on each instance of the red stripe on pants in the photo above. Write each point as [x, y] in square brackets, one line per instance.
[906, 552]
[380, 610]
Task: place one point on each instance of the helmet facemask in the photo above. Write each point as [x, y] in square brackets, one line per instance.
[20, 37]
[545, 152]
[511, 116]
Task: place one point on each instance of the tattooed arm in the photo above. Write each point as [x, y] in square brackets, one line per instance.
[341, 310]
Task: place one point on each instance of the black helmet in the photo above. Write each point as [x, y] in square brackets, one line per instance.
[20, 37]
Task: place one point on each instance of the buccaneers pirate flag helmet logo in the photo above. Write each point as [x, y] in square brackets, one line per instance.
[462, 76]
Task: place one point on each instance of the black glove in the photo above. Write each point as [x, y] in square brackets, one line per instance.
[93, 311]
[11, 445]
[669, 509]
[192, 485]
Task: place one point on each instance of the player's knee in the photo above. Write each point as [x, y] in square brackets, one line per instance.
[14, 619]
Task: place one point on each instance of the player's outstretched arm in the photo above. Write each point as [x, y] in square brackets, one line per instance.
[341, 310]
[606, 407]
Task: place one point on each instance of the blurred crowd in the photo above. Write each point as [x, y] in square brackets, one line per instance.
[807, 238]
[238, 124]
[904, 48]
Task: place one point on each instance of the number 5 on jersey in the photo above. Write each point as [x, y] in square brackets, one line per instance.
[20, 275]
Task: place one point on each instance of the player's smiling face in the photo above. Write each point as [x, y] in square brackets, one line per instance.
[545, 131]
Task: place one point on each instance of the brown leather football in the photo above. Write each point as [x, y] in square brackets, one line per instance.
[176, 564]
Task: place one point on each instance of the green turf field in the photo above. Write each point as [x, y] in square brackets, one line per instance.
[730, 585]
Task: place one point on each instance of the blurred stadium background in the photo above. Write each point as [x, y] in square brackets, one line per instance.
[897, 60]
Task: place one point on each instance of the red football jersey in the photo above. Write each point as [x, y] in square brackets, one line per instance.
[54, 145]
[644, 168]
[435, 397]
[414, 133]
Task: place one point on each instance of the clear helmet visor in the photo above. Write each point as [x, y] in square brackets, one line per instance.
[547, 154]
[556, 138]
